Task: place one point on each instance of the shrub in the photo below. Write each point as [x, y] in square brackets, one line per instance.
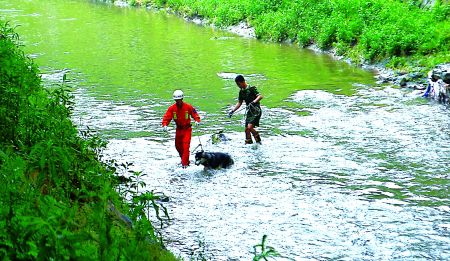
[56, 196]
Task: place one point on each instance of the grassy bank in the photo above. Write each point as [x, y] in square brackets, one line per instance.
[58, 201]
[400, 34]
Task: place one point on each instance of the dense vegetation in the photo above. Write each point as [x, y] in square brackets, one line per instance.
[57, 200]
[400, 33]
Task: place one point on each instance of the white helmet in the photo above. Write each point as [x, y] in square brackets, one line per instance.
[178, 94]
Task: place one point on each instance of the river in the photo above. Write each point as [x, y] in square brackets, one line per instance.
[348, 169]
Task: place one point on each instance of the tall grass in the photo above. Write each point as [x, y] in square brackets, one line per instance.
[57, 200]
[401, 32]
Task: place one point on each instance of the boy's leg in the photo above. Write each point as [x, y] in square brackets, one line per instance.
[252, 130]
[248, 136]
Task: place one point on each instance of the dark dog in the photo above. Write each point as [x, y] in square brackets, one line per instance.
[213, 160]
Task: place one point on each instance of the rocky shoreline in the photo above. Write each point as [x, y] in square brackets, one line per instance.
[417, 80]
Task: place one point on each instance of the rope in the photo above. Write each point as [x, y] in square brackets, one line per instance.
[199, 143]
[249, 107]
[253, 107]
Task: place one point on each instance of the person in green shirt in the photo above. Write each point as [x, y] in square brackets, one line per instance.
[251, 96]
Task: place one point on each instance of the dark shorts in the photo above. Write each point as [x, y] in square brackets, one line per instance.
[253, 117]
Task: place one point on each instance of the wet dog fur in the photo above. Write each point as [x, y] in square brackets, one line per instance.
[213, 160]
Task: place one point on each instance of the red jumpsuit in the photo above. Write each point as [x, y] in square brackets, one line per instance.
[182, 117]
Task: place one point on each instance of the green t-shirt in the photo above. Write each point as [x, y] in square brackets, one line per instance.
[248, 95]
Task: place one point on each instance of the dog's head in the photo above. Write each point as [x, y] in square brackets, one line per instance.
[200, 158]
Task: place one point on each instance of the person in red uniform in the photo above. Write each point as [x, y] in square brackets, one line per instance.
[181, 112]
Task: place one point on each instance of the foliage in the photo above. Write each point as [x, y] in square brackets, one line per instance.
[374, 30]
[58, 201]
[265, 251]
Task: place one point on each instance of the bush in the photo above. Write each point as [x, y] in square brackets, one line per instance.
[56, 197]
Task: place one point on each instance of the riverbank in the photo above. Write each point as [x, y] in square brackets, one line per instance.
[58, 200]
[400, 41]
[341, 156]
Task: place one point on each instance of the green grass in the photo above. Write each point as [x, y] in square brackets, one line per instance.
[401, 34]
[57, 200]
[263, 252]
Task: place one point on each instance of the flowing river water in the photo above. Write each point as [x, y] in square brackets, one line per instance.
[349, 169]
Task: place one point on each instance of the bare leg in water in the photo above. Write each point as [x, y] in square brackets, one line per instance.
[250, 129]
